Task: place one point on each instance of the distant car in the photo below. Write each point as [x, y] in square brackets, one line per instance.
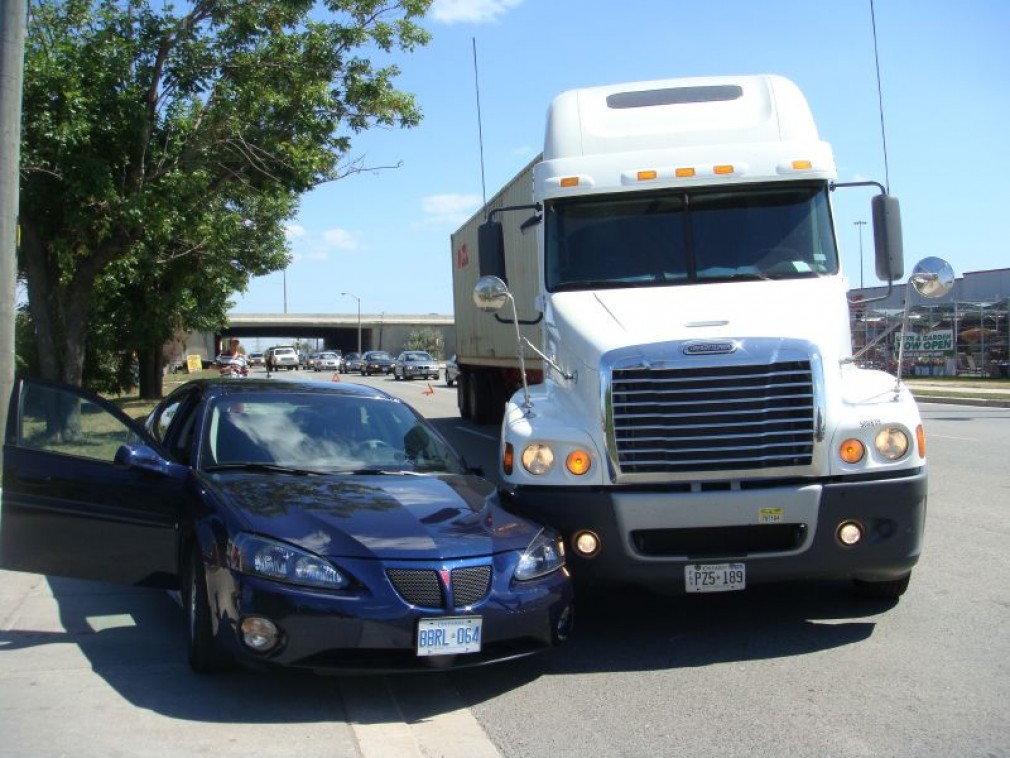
[412, 363]
[366, 545]
[281, 356]
[451, 371]
[376, 362]
[326, 362]
[350, 362]
[256, 359]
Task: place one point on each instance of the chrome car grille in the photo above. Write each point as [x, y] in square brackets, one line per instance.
[469, 585]
[713, 418]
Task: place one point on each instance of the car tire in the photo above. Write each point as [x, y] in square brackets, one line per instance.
[889, 590]
[205, 657]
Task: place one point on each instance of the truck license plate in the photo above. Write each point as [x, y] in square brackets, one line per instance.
[715, 577]
[449, 636]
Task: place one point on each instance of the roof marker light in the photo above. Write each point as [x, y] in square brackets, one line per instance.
[569, 181]
[802, 165]
[647, 175]
[685, 172]
[723, 169]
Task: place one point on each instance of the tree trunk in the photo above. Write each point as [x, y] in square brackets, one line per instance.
[40, 294]
[152, 373]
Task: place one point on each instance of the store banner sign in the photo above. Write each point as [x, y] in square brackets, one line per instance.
[941, 341]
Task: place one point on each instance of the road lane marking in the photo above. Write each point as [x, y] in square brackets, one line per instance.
[475, 433]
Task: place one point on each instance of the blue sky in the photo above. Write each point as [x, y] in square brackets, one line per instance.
[945, 75]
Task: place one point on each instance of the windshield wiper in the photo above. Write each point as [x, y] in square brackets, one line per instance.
[389, 471]
[269, 467]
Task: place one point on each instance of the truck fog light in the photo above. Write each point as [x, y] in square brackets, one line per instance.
[892, 443]
[849, 533]
[851, 451]
[578, 462]
[586, 544]
[538, 458]
[259, 634]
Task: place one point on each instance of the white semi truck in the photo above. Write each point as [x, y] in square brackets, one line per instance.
[691, 417]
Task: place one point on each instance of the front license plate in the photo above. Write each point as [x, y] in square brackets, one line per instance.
[715, 577]
[449, 636]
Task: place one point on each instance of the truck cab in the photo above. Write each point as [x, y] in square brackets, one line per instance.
[701, 425]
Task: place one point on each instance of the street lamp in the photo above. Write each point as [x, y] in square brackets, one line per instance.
[348, 294]
[860, 224]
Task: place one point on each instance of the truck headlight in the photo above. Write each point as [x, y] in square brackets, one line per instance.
[538, 458]
[891, 442]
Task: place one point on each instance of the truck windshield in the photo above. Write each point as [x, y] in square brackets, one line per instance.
[766, 232]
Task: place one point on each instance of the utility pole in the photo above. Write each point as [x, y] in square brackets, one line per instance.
[348, 294]
[13, 14]
[860, 224]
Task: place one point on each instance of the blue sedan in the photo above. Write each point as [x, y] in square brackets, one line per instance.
[308, 525]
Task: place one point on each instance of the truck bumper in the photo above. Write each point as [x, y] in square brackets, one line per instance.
[786, 532]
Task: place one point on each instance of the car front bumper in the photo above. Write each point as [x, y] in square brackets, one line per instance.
[376, 631]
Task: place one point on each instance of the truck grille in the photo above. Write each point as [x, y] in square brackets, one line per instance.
[714, 418]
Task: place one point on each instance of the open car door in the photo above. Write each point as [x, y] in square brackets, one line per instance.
[70, 508]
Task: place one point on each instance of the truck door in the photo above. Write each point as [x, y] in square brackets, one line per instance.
[68, 508]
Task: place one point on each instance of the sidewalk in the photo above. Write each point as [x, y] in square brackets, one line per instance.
[964, 392]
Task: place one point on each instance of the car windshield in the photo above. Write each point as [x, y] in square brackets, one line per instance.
[378, 356]
[321, 433]
[765, 232]
[417, 357]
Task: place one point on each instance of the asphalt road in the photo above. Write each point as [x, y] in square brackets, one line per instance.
[92, 669]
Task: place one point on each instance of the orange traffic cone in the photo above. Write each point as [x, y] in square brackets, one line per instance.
[336, 377]
[429, 391]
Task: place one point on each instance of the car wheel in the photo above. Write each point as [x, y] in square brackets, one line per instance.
[205, 656]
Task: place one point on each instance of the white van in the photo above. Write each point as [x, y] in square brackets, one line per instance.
[281, 356]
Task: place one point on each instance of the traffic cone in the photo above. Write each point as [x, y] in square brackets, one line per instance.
[429, 391]
[336, 377]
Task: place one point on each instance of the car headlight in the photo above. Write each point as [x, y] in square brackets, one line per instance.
[891, 442]
[544, 555]
[281, 562]
[538, 458]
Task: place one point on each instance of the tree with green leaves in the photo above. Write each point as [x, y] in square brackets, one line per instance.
[163, 152]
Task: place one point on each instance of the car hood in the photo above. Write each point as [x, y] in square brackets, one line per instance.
[389, 516]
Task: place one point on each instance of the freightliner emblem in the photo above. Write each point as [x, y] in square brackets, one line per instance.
[708, 348]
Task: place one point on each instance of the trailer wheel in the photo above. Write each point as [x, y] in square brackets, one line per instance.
[485, 398]
[463, 395]
[476, 398]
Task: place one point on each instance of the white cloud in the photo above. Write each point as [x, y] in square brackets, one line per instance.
[449, 209]
[472, 11]
[294, 231]
[341, 239]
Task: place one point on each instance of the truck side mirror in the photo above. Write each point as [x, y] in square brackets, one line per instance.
[887, 243]
[490, 294]
[491, 250]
